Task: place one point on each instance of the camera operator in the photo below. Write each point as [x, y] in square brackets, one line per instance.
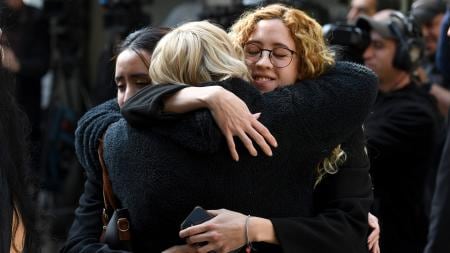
[402, 131]
[429, 15]
[348, 40]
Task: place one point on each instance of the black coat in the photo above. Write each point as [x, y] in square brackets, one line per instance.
[439, 228]
[162, 171]
[402, 136]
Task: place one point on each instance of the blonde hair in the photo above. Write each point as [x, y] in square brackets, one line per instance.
[196, 52]
[330, 164]
[18, 233]
[313, 54]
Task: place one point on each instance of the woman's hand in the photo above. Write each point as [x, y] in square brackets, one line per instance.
[181, 249]
[224, 233]
[234, 119]
[374, 236]
[230, 113]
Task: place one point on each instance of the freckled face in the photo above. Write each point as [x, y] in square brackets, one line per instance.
[269, 34]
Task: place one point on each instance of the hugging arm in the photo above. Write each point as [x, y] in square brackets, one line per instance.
[87, 226]
[230, 113]
[342, 97]
[90, 130]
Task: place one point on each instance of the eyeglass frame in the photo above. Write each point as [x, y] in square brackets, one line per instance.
[270, 54]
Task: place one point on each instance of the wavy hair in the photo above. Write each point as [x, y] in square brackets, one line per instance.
[313, 54]
[194, 53]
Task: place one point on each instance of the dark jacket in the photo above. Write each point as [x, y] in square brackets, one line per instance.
[439, 227]
[443, 51]
[169, 159]
[402, 136]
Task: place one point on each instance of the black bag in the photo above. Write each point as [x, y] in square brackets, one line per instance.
[116, 221]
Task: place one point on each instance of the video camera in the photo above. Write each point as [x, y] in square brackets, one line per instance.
[349, 41]
[123, 15]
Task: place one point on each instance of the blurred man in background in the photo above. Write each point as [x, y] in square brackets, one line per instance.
[439, 228]
[429, 15]
[401, 132]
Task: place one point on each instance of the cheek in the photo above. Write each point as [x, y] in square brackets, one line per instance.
[289, 75]
[250, 66]
[437, 32]
[132, 90]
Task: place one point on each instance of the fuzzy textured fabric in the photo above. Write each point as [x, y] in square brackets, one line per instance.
[164, 166]
[166, 174]
[90, 130]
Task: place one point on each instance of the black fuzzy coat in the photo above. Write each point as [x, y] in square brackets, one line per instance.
[162, 171]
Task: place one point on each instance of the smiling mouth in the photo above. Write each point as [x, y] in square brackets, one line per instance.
[262, 78]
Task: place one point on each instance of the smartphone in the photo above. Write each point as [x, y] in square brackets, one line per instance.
[197, 216]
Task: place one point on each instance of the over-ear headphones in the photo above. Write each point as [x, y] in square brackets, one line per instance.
[410, 45]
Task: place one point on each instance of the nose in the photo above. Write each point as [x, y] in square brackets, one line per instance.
[127, 94]
[120, 99]
[264, 60]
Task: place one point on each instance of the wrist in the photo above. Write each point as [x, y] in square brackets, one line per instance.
[260, 230]
[210, 96]
[190, 98]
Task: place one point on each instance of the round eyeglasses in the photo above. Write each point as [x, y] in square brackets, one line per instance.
[280, 57]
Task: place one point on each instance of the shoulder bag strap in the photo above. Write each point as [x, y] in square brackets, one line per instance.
[108, 196]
